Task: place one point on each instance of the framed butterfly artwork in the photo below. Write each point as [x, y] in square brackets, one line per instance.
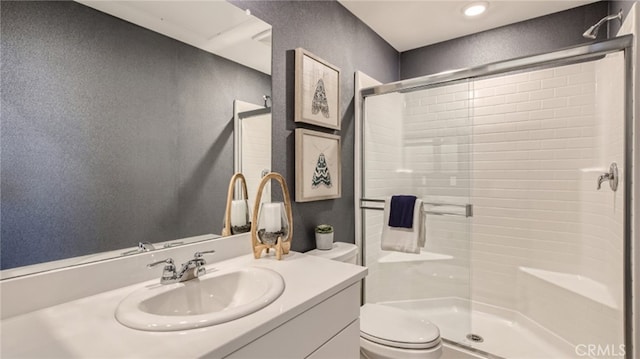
[318, 166]
[317, 91]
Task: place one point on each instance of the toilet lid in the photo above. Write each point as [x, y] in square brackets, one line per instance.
[397, 328]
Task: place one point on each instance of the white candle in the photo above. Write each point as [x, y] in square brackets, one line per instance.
[271, 217]
[238, 213]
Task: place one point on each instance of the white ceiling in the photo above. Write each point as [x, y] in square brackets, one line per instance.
[211, 25]
[408, 25]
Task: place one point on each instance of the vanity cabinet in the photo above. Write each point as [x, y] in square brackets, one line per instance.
[342, 345]
[330, 329]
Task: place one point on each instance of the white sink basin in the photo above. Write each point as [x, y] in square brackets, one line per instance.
[215, 298]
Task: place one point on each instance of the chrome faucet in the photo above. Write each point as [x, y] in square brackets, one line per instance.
[192, 269]
[169, 274]
[142, 247]
[146, 247]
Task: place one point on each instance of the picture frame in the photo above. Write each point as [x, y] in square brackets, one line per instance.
[317, 91]
[318, 166]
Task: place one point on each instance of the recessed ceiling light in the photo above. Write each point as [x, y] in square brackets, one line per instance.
[475, 9]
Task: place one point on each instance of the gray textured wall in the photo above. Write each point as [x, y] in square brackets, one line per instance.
[111, 134]
[331, 32]
[322, 27]
[539, 35]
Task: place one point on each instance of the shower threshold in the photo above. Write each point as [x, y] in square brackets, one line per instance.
[504, 333]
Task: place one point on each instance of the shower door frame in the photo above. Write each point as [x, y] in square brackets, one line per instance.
[581, 53]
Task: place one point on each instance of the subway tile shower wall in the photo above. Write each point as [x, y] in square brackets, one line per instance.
[525, 149]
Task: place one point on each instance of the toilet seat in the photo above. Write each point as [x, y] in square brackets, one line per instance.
[396, 328]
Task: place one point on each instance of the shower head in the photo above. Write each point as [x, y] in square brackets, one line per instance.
[592, 32]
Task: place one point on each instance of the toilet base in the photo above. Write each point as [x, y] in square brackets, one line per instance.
[371, 350]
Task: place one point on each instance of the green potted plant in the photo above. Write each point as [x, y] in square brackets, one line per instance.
[324, 236]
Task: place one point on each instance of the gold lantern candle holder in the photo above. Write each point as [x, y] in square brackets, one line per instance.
[236, 217]
[272, 222]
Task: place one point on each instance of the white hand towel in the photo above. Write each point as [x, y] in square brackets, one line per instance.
[408, 240]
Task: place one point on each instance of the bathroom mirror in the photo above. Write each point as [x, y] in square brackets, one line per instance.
[117, 124]
[252, 146]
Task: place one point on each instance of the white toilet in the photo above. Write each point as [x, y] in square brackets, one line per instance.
[387, 332]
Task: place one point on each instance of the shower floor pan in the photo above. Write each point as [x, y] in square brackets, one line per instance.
[502, 332]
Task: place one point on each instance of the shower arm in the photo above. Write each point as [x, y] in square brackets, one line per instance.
[592, 32]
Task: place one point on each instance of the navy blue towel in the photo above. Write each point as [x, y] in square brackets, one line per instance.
[401, 211]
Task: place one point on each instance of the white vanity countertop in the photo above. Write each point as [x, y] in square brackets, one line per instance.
[87, 327]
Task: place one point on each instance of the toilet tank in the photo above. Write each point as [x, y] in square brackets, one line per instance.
[343, 252]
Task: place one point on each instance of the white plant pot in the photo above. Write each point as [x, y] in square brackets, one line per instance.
[324, 241]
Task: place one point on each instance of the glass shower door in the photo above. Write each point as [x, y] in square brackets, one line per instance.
[418, 143]
[547, 258]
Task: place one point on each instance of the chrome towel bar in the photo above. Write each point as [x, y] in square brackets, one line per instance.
[468, 208]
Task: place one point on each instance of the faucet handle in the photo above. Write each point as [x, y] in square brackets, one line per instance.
[169, 273]
[611, 176]
[172, 244]
[201, 254]
[168, 261]
[200, 262]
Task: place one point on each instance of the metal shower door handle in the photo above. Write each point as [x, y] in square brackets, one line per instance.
[611, 176]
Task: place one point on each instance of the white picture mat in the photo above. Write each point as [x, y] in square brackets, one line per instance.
[309, 146]
[309, 69]
[312, 72]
